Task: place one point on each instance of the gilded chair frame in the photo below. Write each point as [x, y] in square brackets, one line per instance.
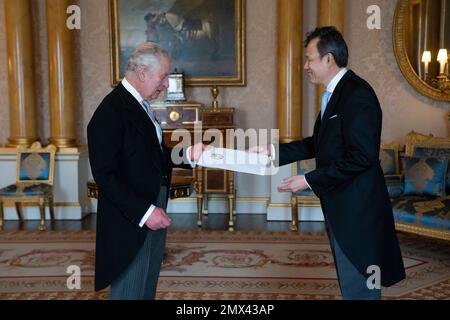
[43, 199]
[427, 141]
[413, 138]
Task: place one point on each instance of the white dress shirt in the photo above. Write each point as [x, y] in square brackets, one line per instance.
[139, 98]
[330, 88]
[333, 83]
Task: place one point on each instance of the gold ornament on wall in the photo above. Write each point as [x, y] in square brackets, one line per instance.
[215, 93]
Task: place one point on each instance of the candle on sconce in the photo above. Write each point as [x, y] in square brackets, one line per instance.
[426, 59]
[447, 68]
[442, 58]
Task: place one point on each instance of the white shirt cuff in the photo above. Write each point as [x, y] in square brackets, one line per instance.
[306, 181]
[147, 215]
[191, 162]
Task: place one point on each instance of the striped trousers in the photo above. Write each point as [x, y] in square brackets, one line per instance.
[139, 280]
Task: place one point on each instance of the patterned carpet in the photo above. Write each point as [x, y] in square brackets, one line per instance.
[214, 265]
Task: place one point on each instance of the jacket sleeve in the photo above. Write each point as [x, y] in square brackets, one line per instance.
[178, 157]
[295, 151]
[361, 142]
[104, 135]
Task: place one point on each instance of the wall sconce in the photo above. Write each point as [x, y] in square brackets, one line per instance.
[442, 58]
[442, 81]
[426, 59]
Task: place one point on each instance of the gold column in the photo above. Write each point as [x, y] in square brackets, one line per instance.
[61, 74]
[22, 102]
[331, 13]
[289, 81]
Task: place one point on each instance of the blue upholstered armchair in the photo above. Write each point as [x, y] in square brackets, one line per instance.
[34, 181]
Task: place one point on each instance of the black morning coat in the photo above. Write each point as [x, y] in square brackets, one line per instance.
[349, 180]
[128, 165]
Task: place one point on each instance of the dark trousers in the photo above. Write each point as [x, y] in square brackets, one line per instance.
[140, 279]
[352, 283]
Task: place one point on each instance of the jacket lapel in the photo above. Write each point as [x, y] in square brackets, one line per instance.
[332, 104]
[316, 129]
[137, 115]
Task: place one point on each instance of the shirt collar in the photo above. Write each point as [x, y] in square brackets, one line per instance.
[132, 90]
[333, 83]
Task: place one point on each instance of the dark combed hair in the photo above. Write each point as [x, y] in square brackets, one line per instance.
[330, 41]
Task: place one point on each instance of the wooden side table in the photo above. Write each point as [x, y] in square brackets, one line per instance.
[216, 181]
[206, 181]
[180, 187]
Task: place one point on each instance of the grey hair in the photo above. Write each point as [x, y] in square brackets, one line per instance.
[148, 55]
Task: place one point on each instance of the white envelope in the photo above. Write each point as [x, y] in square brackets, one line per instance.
[237, 160]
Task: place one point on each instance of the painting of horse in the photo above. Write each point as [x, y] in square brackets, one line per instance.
[205, 38]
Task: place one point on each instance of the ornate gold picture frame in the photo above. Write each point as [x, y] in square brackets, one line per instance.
[205, 38]
[399, 35]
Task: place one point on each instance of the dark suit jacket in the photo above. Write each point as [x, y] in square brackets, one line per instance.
[349, 180]
[128, 165]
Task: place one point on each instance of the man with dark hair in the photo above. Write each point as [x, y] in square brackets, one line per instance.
[348, 177]
[331, 41]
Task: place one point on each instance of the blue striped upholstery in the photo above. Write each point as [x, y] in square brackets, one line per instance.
[423, 211]
[20, 190]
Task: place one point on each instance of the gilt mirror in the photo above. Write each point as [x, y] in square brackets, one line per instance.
[421, 39]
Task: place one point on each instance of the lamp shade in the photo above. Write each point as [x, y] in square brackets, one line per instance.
[442, 55]
[426, 56]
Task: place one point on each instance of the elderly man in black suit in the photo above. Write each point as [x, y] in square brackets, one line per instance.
[348, 178]
[132, 168]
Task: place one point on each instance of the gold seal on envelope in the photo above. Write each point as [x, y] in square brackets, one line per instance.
[217, 156]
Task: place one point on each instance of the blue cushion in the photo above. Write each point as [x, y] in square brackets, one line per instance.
[303, 167]
[387, 161]
[25, 190]
[426, 211]
[395, 187]
[434, 152]
[425, 176]
[307, 192]
[34, 166]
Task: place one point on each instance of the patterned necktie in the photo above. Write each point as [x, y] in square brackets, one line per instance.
[152, 114]
[325, 96]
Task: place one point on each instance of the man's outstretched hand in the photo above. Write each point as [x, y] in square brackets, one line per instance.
[293, 184]
[197, 150]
